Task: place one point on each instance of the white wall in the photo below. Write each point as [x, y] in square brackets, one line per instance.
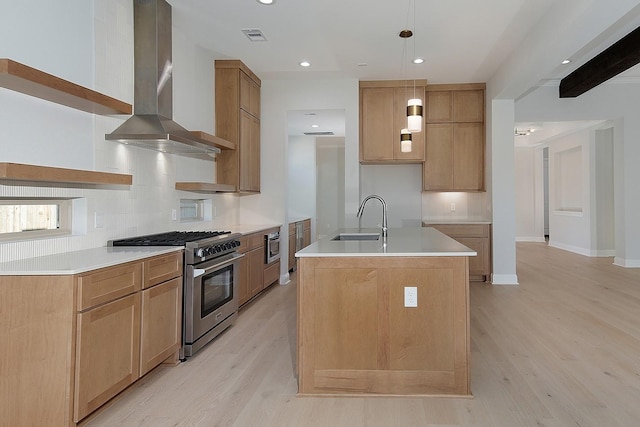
[278, 97]
[529, 195]
[401, 188]
[38, 132]
[618, 103]
[302, 177]
[330, 185]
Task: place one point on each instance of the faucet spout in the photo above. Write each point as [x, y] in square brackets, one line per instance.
[384, 212]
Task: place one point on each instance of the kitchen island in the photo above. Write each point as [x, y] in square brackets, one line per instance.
[384, 317]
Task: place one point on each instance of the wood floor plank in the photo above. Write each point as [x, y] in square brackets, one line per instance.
[561, 349]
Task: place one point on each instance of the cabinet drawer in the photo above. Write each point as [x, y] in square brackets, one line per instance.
[108, 284]
[255, 240]
[306, 224]
[162, 268]
[271, 273]
[244, 244]
[292, 228]
[462, 230]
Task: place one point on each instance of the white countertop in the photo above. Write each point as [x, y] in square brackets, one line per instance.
[407, 242]
[428, 222]
[249, 228]
[77, 262]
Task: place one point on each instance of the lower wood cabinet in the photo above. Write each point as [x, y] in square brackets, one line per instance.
[161, 331]
[107, 353]
[476, 237]
[254, 274]
[76, 341]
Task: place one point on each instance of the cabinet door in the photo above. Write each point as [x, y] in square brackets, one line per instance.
[468, 156]
[242, 287]
[161, 323]
[249, 95]
[377, 134]
[437, 171]
[439, 106]
[107, 353]
[478, 265]
[292, 251]
[255, 259]
[468, 106]
[402, 95]
[249, 151]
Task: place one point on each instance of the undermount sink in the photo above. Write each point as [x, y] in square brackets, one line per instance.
[357, 236]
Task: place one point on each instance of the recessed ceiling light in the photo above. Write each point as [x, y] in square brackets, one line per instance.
[566, 61]
[418, 61]
[266, 1]
[305, 64]
[315, 126]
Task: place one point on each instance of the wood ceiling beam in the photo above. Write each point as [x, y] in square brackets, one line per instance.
[620, 56]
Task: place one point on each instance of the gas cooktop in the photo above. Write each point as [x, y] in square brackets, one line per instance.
[171, 238]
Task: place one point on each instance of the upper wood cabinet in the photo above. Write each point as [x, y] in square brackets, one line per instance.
[238, 120]
[455, 138]
[383, 113]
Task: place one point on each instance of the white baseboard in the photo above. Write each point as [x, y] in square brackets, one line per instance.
[285, 279]
[570, 248]
[504, 279]
[626, 263]
[530, 239]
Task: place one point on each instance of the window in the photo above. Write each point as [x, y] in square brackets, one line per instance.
[32, 218]
[191, 210]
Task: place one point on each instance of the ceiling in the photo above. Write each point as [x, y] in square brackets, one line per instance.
[359, 39]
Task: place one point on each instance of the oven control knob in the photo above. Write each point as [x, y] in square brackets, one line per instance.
[200, 252]
[211, 250]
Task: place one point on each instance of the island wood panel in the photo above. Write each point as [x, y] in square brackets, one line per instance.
[423, 350]
[346, 332]
[37, 337]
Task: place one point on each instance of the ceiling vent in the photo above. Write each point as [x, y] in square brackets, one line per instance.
[255, 35]
[319, 133]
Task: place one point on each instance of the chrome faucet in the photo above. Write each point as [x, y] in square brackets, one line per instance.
[384, 212]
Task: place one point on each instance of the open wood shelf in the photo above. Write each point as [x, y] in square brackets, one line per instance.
[46, 174]
[30, 81]
[205, 187]
[220, 143]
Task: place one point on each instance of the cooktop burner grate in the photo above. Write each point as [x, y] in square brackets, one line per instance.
[172, 238]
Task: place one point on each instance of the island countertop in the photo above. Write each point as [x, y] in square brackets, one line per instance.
[402, 242]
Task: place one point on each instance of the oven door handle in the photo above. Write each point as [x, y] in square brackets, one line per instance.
[200, 271]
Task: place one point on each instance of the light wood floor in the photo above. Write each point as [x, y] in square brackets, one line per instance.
[561, 349]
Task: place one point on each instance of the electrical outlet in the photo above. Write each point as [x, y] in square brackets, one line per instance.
[98, 220]
[410, 296]
[453, 207]
[174, 214]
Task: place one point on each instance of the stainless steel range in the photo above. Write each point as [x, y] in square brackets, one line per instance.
[210, 281]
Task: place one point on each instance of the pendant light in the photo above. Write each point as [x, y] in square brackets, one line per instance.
[414, 105]
[405, 134]
[405, 141]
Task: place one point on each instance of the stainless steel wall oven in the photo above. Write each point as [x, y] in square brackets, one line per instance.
[210, 281]
[271, 247]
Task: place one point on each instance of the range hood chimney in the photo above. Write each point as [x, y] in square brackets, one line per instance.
[151, 125]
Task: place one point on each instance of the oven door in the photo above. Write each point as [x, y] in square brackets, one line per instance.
[210, 295]
[271, 247]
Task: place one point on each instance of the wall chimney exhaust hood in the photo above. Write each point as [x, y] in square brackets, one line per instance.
[151, 125]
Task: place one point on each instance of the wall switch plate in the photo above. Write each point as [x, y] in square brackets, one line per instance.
[174, 214]
[410, 296]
